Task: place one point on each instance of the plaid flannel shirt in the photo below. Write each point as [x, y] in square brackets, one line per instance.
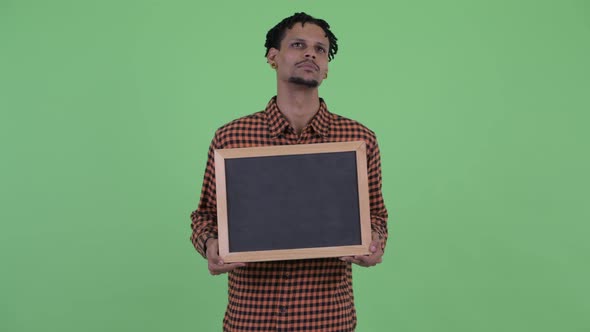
[295, 295]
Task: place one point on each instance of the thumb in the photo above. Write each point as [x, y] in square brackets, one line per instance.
[375, 246]
[213, 252]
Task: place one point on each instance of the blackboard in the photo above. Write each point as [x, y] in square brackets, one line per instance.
[292, 202]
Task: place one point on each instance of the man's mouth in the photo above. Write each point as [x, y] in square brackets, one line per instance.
[309, 65]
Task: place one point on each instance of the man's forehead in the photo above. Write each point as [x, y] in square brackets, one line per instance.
[308, 32]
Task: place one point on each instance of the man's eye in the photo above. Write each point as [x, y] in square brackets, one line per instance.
[321, 50]
[297, 44]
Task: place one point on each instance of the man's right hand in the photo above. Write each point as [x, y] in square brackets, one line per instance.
[216, 265]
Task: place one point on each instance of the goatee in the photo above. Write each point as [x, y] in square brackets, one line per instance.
[306, 83]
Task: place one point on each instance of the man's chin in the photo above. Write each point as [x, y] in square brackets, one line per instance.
[304, 82]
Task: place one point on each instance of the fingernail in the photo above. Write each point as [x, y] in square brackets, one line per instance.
[220, 263]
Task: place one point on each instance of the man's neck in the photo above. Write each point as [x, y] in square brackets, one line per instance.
[298, 104]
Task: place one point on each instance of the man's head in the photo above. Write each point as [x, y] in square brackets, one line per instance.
[299, 48]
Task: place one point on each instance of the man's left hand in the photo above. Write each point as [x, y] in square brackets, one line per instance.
[368, 260]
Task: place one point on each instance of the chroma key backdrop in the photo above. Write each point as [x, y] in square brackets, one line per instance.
[481, 109]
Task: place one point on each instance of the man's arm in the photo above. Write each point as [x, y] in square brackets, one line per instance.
[204, 220]
[378, 212]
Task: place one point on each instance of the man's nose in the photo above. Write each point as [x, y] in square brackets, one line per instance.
[310, 54]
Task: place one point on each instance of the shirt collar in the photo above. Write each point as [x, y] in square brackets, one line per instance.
[278, 123]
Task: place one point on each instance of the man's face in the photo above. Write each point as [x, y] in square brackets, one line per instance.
[303, 57]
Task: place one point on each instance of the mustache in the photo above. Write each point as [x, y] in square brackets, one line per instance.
[309, 61]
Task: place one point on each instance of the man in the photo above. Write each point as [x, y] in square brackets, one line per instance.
[293, 295]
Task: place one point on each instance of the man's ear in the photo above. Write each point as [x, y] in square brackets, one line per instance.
[272, 54]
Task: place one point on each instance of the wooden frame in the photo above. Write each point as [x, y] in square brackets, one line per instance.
[222, 155]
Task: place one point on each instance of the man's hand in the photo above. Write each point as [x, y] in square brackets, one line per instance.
[216, 265]
[368, 260]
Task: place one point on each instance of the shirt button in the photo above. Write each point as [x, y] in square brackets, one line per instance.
[282, 309]
[287, 275]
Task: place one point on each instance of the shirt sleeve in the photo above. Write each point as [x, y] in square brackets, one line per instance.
[377, 205]
[204, 218]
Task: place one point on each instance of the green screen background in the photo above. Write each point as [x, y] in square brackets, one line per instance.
[480, 108]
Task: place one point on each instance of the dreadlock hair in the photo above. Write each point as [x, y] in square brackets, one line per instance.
[275, 35]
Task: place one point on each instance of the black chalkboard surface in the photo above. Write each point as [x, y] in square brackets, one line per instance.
[292, 202]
